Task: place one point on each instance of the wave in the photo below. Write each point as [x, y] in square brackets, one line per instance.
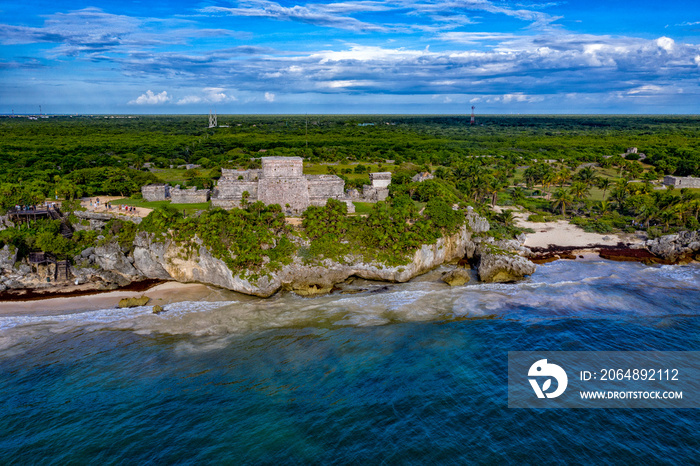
[563, 289]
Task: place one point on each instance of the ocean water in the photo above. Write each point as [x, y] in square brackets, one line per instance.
[412, 373]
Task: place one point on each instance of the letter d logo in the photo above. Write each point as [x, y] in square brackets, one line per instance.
[542, 369]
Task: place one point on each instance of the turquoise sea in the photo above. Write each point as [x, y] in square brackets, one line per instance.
[412, 373]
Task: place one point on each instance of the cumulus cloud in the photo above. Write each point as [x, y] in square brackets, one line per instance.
[212, 95]
[666, 43]
[149, 98]
[269, 96]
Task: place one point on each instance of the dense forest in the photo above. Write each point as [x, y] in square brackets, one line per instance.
[577, 167]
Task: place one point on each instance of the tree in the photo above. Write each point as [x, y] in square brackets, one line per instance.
[563, 199]
[604, 184]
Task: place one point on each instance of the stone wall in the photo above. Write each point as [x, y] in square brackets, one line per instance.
[282, 167]
[228, 174]
[290, 193]
[380, 179]
[682, 181]
[324, 187]
[188, 196]
[372, 194]
[155, 192]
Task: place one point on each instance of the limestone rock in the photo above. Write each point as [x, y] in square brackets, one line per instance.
[456, 277]
[684, 245]
[504, 267]
[149, 256]
[8, 257]
[311, 290]
[133, 302]
[110, 257]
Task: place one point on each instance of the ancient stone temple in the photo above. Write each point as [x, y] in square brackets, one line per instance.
[280, 181]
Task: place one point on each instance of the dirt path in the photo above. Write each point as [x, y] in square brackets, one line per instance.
[92, 205]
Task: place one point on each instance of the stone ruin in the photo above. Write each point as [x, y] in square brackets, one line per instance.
[156, 192]
[422, 176]
[280, 181]
[378, 190]
[188, 195]
[682, 181]
[163, 192]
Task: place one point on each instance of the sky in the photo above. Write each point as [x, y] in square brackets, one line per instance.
[350, 57]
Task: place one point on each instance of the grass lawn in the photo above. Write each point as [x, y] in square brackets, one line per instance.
[363, 207]
[188, 208]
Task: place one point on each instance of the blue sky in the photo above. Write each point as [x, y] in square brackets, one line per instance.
[355, 56]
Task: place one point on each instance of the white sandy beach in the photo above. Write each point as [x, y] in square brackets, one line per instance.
[163, 294]
[565, 234]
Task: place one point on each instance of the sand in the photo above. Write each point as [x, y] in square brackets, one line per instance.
[565, 234]
[90, 204]
[163, 294]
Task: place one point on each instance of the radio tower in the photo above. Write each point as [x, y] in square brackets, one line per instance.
[471, 122]
[212, 120]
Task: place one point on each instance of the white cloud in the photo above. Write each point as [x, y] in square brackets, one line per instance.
[190, 99]
[666, 43]
[149, 98]
[212, 95]
[269, 96]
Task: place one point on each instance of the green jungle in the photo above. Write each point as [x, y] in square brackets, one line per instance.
[603, 173]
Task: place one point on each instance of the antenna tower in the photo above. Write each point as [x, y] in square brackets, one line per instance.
[471, 122]
[212, 120]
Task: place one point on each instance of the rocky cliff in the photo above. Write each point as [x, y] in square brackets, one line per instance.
[108, 266]
[171, 261]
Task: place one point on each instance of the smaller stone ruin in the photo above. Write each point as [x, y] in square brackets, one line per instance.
[156, 192]
[682, 181]
[378, 190]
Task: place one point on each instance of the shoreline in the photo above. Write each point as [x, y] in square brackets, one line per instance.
[163, 293]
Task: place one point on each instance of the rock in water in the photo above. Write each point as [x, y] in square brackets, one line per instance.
[157, 309]
[457, 277]
[497, 267]
[311, 290]
[133, 302]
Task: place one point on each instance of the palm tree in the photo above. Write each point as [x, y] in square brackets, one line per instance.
[563, 199]
[563, 176]
[587, 175]
[620, 192]
[604, 184]
[506, 217]
[518, 195]
[579, 190]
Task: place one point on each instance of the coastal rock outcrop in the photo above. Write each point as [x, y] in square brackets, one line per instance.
[165, 260]
[110, 257]
[133, 302]
[683, 246]
[456, 277]
[502, 262]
